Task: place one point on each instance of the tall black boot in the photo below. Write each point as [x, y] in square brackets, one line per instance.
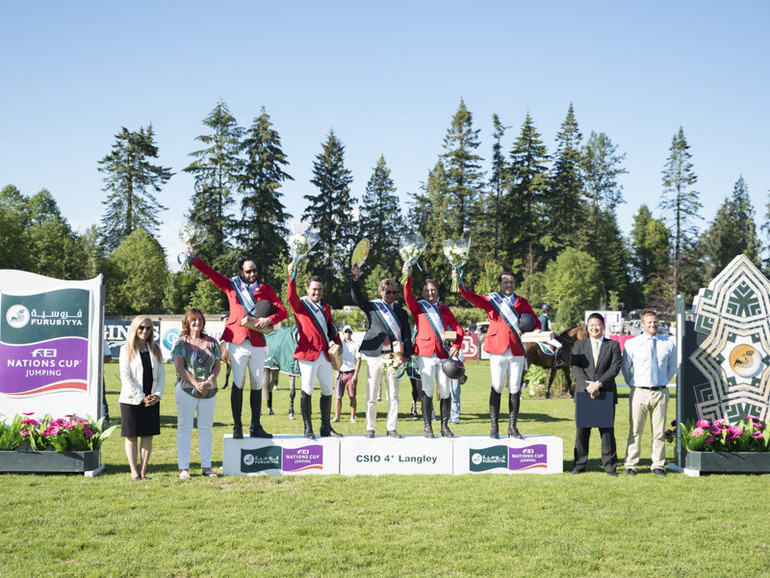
[236, 404]
[305, 408]
[446, 407]
[326, 425]
[494, 413]
[427, 412]
[514, 400]
[255, 429]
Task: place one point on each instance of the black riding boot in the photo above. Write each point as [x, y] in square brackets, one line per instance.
[427, 412]
[446, 408]
[326, 425]
[236, 404]
[305, 408]
[494, 413]
[255, 429]
[514, 400]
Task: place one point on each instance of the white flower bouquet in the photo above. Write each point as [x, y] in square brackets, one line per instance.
[411, 247]
[190, 234]
[301, 242]
[394, 364]
[456, 252]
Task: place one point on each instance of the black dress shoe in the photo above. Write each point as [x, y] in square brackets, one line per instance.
[237, 432]
[394, 434]
[661, 473]
[630, 472]
[576, 471]
[370, 433]
[612, 474]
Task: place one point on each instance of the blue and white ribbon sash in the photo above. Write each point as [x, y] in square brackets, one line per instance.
[433, 315]
[388, 318]
[504, 306]
[318, 314]
[245, 293]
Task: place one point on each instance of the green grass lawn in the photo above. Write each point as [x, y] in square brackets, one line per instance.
[474, 525]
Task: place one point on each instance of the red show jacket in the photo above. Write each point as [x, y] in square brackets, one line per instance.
[427, 342]
[311, 343]
[233, 332]
[499, 336]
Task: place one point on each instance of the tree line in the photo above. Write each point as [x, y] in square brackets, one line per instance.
[549, 215]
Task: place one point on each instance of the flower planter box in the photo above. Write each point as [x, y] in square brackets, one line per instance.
[49, 462]
[728, 462]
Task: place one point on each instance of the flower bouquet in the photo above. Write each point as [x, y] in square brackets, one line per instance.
[411, 247]
[750, 435]
[190, 234]
[394, 364]
[456, 251]
[301, 242]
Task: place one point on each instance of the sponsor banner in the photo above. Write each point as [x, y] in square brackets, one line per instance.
[50, 340]
[169, 332]
[533, 454]
[383, 455]
[471, 345]
[280, 455]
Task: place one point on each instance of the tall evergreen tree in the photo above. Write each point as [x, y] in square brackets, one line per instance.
[380, 217]
[130, 179]
[564, 203]
[262, 231]
[600, 167]
[679, 202]
[526, 224]
[331, 212]
[430, 215]
[216, 170]
[463, 170]
[732, 231]
[497, 184]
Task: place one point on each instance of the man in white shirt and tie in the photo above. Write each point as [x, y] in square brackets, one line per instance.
[649, 363]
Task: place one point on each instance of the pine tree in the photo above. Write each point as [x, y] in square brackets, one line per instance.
[497, 184]
[216, 170]
[430, 215]
[262, 231]
[600, 168]
[679, 202]
[130, 175]
[331, 212]
[564, 199]
[732, 231]
[526, 223]
[380, 218]
[463, 170]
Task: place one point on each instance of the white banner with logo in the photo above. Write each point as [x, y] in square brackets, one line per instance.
[50, 345]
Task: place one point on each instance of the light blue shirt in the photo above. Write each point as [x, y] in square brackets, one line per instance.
[637, 357]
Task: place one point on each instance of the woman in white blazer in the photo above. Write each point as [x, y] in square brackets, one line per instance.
[142, 378]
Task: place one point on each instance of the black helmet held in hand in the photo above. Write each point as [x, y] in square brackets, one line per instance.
[453, 368]
[527, 322]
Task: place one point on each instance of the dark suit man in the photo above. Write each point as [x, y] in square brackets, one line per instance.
[388, 333]
[595, 363]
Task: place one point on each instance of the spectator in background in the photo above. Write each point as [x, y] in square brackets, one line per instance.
[142, 379]
[347, 376]
[196, 360]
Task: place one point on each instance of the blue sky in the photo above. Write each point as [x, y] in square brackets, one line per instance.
[387, 78]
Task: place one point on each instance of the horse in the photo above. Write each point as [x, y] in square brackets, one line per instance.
[536, 356]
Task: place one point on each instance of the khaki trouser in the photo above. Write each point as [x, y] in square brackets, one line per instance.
[643, 401]
[375, 371]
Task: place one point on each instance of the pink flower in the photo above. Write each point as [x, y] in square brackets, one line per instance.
[709, 439]
[698, 432]
[29, 421]
[669, 432]
[715, 430]
[758, 426]
[673, 423]
[87, 432]
[24, 432]
[704, 423]
[757, 435]
[720, 422]
[752, 417]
